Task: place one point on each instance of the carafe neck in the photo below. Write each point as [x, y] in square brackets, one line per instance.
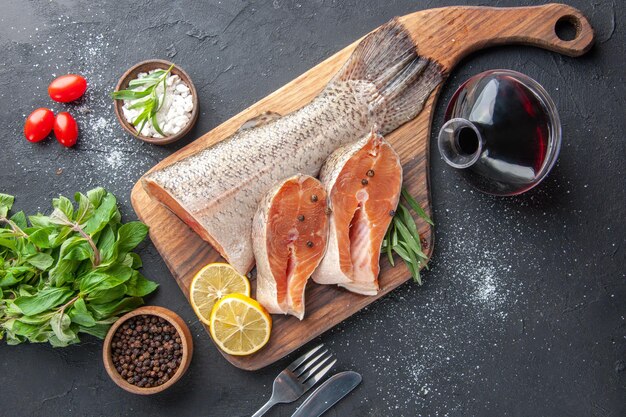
[460, 143]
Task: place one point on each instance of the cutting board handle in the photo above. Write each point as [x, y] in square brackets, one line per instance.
[463, 30]
[537, 26]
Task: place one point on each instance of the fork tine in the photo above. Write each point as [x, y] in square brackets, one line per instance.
[304, 357]
[302, 378]
[308, 384]
[309, 363]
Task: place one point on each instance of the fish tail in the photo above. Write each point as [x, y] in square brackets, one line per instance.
[403, 80]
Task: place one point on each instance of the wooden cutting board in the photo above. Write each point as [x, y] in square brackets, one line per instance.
[445, 35]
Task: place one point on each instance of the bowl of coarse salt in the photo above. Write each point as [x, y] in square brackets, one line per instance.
[164, 105]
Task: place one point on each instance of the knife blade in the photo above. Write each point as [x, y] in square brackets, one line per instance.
[328, 394]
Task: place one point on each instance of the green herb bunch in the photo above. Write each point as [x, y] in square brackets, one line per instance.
[403, 238]
[70, 272]
[145, 91]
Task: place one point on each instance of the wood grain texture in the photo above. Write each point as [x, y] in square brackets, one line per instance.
[445, 35]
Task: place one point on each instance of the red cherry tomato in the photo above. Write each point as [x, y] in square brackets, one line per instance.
[38, 125]
[65, 129]
[67, 88]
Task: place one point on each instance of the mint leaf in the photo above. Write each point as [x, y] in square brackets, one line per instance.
[114, 308]
[102, 215]
[6, 202]
[7, 240]
[18, 331]
[137, 263]
[130, 235]
[106, 244]
[44, 300]
[98, 330]
[80, 315]
[9, 280]
[41, 237]
[62, 272]
[65, 206]
[106, 295]
[79, 252]
[96, 280]
[60, 323]
[120, 271]
[41, 318]
[96, 195]
[85, 208]
[19, 219]
[139, 286]
[41, 261]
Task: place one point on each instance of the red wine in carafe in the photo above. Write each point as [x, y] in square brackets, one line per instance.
[502, 132]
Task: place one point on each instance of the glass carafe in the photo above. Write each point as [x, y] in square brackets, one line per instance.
[502, 132]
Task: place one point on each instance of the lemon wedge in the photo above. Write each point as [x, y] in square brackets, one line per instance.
[240, 325]
[213, 282]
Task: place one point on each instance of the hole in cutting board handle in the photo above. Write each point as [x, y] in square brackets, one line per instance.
[567, 28]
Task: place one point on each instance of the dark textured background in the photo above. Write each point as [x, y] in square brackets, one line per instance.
[523, 310]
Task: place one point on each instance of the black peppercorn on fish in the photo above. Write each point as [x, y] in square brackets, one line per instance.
[216, 191]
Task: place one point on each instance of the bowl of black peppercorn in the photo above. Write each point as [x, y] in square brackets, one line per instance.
[147, 350]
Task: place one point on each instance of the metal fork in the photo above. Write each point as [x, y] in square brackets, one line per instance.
[298, 378]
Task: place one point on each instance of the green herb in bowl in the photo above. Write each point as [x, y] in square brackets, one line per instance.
[149, 101]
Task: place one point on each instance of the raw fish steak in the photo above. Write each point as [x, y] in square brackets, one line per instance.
[289, 236]
[363, 182]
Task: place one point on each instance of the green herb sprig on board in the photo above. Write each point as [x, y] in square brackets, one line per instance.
[70, 272]
[403, 238]
[144, 90]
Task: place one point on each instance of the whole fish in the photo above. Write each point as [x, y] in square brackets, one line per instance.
[216, 191]
[363, 181]
[289, 236]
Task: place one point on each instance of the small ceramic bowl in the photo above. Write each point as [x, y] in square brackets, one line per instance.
[187, 346]
[146, 66]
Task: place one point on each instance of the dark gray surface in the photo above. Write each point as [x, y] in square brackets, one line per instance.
[523, 311]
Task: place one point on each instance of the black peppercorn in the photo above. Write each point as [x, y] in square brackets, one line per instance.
[146, 351]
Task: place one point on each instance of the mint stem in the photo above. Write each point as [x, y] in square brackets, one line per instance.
[96, 252]
[16, 229]
[69, 303]
[76, 227]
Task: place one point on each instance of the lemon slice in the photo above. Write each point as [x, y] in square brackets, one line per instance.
[240, 325]
[213, 282]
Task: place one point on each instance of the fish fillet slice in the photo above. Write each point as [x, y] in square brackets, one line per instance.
[363, 181]
[289, 238]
